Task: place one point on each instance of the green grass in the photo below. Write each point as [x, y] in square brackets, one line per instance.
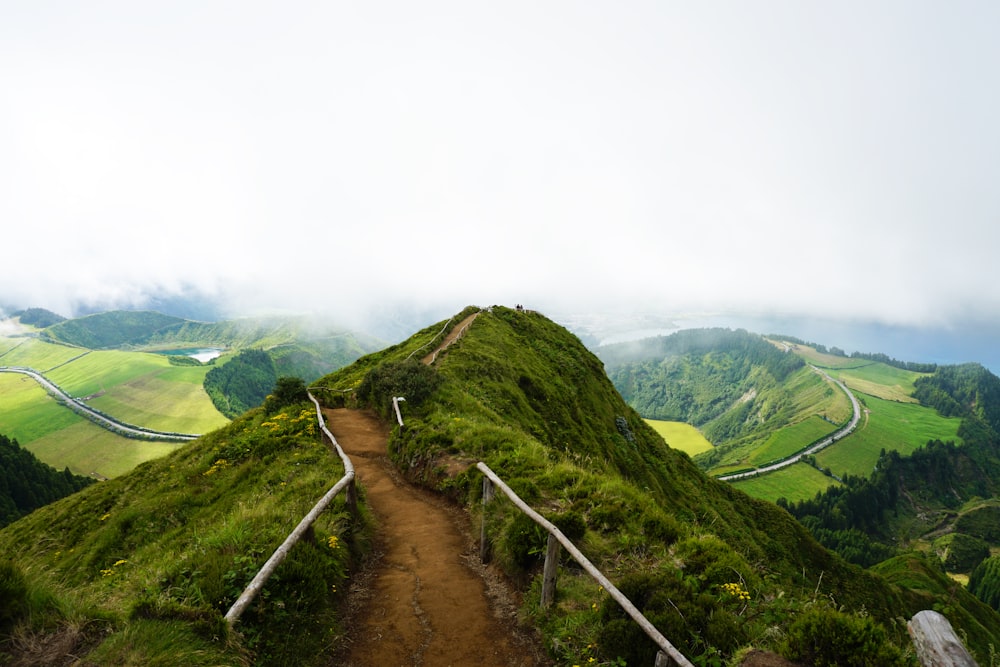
[791, 439]
[138, 388]
[39, 355]
[880, 380]
[903, 427]
[794, 483]
[679, 435]
[145, 565]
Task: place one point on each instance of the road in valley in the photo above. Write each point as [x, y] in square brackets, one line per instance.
[812, 449]
[98, 418]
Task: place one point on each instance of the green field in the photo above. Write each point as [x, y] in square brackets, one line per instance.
[880, 380]
[37, 354]
[679, 435]
[135, 387]
[791, 439]
[143, 389]
[62, 438]
[903, 427]
[794, 483]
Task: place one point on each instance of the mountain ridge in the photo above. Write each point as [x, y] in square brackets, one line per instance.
[524, 395]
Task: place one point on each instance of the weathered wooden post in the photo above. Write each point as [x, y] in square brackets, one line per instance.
[485, 550]
[936, 642]
[351, 498]
[550, 570]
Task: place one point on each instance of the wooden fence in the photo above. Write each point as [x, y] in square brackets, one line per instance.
[667, 656]
[345, 482]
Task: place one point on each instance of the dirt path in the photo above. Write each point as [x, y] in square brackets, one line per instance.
[425, 601]
[452, 336]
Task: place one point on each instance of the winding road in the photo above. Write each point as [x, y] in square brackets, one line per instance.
[102, 420]
[812, 449]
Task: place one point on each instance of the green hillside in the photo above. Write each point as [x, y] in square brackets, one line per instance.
[755, 401]
[112, 329]
[138, 570]
[526, 397]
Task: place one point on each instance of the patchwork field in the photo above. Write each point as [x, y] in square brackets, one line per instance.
[794, 483]
[134, 387]
[889, 425]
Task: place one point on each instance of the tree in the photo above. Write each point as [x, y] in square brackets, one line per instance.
[288, 390]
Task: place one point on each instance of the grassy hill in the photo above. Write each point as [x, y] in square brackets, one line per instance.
[139, 569]
[526, 397]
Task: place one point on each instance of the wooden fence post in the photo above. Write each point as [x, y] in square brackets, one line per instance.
[485, 550]
[550, 571]
[351, 498]
[936, 642]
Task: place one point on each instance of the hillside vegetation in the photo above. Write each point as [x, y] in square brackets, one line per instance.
[753, 400]
[716, 569]
[139, 570]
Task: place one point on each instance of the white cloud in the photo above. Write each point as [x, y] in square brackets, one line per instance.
[836, 159]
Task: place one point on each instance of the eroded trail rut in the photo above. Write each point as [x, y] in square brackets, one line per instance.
[426, 604]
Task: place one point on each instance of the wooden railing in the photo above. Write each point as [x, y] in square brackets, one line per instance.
[345, 482]
[667, 656]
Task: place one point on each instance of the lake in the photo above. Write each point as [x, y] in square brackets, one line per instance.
[202, 354]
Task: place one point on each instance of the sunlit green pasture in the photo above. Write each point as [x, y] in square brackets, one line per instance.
[87, 448]
[791, 439]
[60, 437]
[815, 395]
[881, 380]
[903, 427]
[794, 483]
[37, 354]
[679, 435]
[27, 413]
[142, 389]
[827, 361]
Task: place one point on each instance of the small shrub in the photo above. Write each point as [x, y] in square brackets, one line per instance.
[825, 637]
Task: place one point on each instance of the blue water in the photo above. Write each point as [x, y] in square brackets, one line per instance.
[202, 354]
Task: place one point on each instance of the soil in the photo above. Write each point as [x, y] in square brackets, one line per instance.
[424, 599]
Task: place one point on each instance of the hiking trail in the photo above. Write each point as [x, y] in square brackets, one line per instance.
[425, 599]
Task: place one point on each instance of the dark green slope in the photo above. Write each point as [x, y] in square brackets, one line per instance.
[730, 384]
[111, 329]
[524, 395]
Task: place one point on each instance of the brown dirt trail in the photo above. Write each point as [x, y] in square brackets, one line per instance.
[424, 602]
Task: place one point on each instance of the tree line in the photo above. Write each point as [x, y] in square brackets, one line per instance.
[241, 383]
[27, 483]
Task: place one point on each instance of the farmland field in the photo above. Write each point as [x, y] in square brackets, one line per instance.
[27, 412]
[679, 435]
[791, 439]
[794, 483]
[135, 387]
[880, 380]
[87, 448]
[903, 427]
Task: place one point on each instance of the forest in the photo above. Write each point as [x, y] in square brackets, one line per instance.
[27, 483]
[241, 383]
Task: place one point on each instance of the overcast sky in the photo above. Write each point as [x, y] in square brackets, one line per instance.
[800, 157]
